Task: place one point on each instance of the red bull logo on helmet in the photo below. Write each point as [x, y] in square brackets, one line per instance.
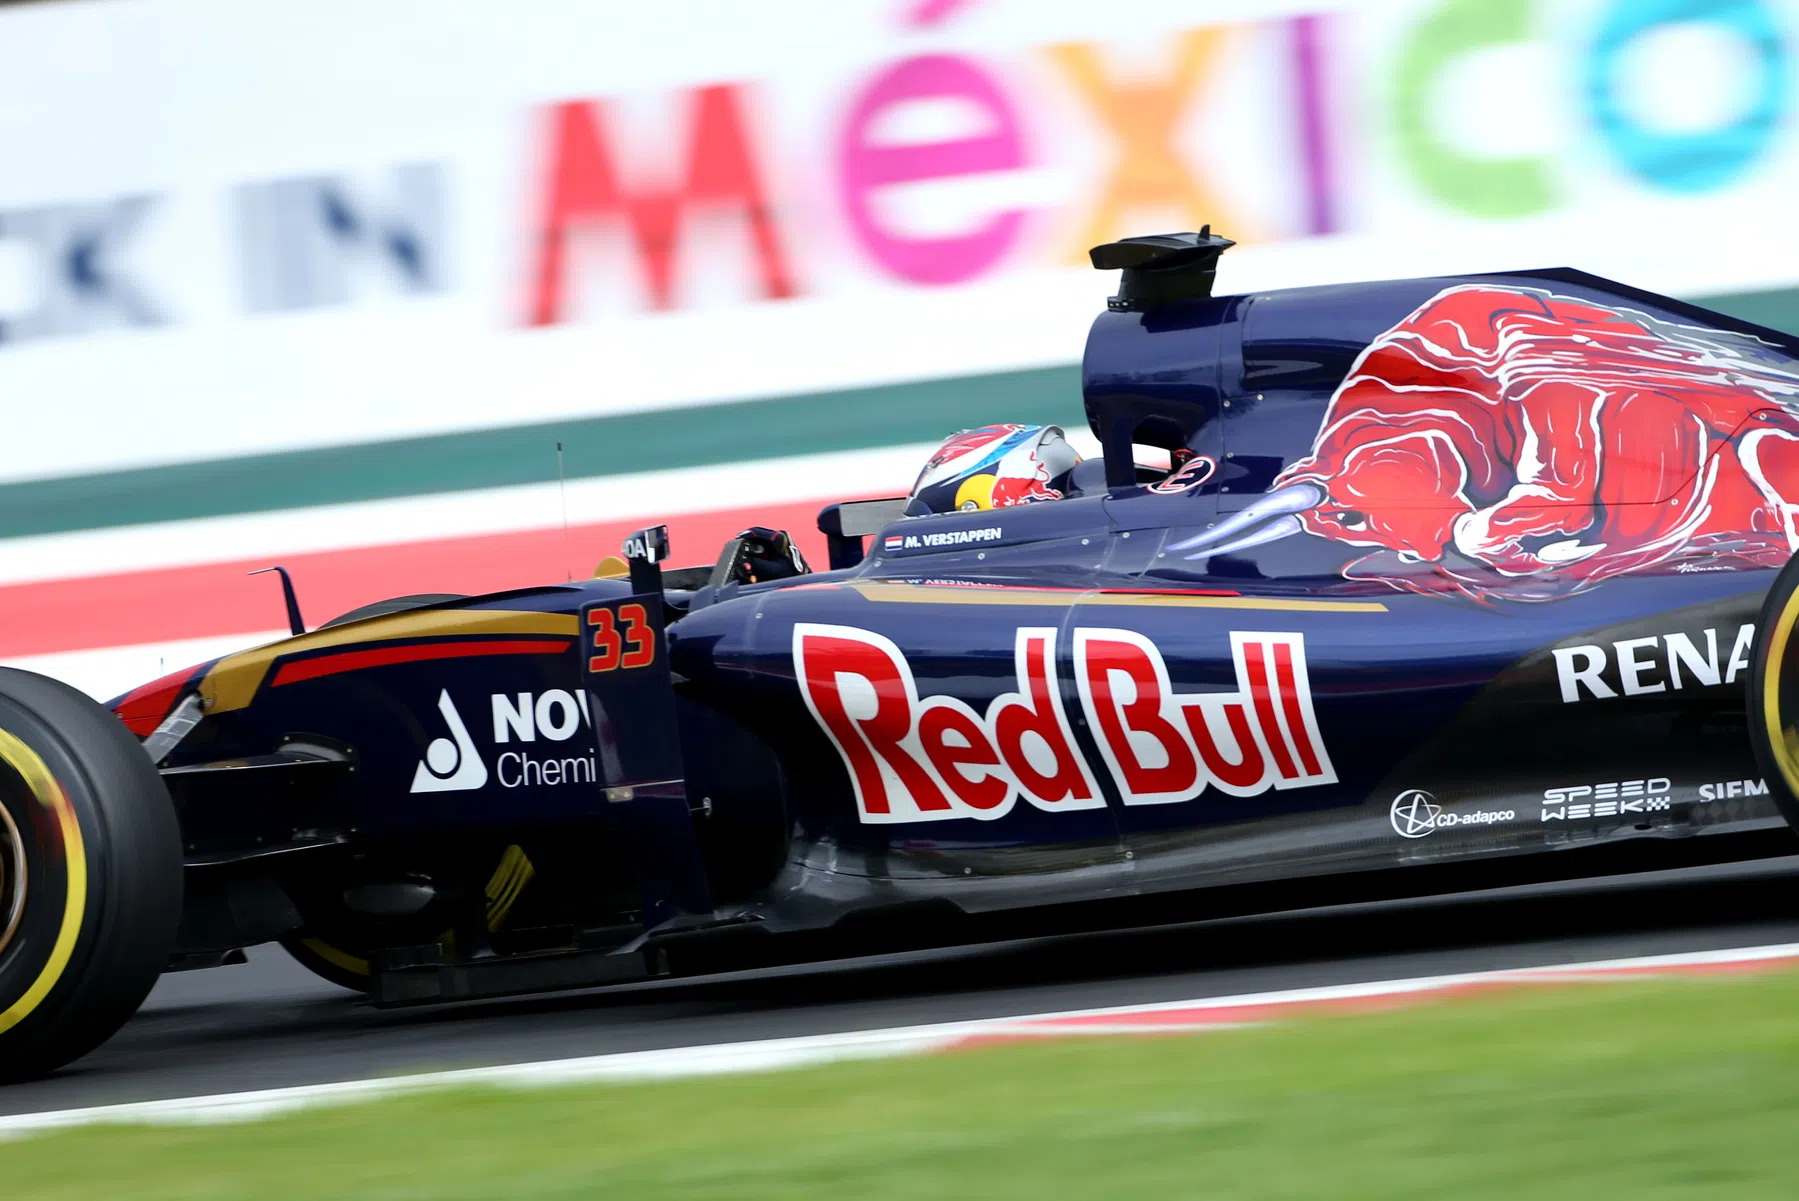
[912, 758]
[993, 467]
[1507, 442]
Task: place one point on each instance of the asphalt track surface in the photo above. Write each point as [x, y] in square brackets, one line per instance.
[269, 1023]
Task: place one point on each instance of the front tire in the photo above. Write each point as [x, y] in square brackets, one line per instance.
[90, 852]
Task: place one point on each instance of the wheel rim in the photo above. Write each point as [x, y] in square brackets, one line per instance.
[12, 879]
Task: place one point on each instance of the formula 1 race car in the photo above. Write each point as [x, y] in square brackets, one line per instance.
[1376, 588]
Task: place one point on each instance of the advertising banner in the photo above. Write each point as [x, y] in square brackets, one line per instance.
[232, 228]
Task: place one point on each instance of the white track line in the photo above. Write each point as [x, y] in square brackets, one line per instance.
[783, 1053]
[433, 516]
[104, 672]
[648, 495]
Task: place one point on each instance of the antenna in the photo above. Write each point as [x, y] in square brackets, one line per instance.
[562, 490]
[294, 623]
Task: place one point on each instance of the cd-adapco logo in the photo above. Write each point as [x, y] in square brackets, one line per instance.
[450, 766]
[1415, 813]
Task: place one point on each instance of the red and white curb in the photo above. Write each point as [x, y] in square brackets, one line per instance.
[1170, 1017]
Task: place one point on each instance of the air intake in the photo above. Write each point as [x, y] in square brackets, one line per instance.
[1162, 268]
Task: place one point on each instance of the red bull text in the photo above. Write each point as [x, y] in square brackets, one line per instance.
[912, 758]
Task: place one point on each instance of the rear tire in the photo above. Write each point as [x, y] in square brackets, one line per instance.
[1773, 700]
[90, 852]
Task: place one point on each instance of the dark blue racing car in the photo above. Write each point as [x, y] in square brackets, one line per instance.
[1375, 589]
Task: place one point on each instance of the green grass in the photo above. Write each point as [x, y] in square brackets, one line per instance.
[1680, 1089]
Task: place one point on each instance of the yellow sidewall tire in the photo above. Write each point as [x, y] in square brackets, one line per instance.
[102, 874]
[346, 969]
[1773, 699]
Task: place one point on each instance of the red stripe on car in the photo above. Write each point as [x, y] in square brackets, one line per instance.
[143, 708]
[381, 656]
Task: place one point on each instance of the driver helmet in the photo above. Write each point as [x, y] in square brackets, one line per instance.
[994, 467]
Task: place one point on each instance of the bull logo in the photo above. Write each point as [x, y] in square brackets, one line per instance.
[1513, 443]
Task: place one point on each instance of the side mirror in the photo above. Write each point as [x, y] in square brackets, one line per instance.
[644, 552]
[845, 525]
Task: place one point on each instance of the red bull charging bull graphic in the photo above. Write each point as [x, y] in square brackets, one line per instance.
[1512, 443]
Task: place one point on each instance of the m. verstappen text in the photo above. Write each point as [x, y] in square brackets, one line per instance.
[987, 533]
[926, 759]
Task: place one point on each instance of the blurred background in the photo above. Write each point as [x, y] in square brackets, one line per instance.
[325, 284]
